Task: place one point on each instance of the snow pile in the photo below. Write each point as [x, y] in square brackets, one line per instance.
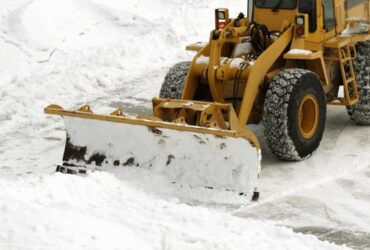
[75, 52]
[101, 212]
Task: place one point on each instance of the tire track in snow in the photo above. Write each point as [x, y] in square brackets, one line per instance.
[306, 187]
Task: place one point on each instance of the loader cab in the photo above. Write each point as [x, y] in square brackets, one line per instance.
[275, 13]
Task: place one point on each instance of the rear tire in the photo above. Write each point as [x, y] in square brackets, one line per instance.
[360, 113]
[174, 81]
[294, 114]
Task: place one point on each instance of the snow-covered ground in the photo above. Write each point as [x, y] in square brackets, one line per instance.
[116, 53]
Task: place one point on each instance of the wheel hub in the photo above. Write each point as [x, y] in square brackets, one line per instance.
[308, 116]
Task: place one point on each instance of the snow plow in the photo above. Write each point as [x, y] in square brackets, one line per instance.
[203, 155]
[282, 71]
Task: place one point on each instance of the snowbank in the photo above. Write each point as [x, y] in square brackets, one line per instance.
[74, 52]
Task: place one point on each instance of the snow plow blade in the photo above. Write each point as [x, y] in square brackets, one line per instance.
[195, 156]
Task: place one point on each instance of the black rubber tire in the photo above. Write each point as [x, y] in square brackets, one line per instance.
[174, 81]
[281, 109]
[360, 113]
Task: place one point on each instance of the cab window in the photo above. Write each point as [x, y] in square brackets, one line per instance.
[285, 4]
[329, 19]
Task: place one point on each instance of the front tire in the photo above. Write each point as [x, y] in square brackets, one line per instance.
[174, 81]
[360, 112]
[294, 114]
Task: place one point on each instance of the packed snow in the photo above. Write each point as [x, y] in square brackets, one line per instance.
[299, 52]
[102, 212]
[115, 53]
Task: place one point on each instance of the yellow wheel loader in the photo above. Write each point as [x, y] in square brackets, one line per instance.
[281, 65]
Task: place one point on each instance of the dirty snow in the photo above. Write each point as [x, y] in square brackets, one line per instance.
[116, 53]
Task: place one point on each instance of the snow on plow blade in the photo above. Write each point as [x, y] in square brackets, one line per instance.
[188, 155]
